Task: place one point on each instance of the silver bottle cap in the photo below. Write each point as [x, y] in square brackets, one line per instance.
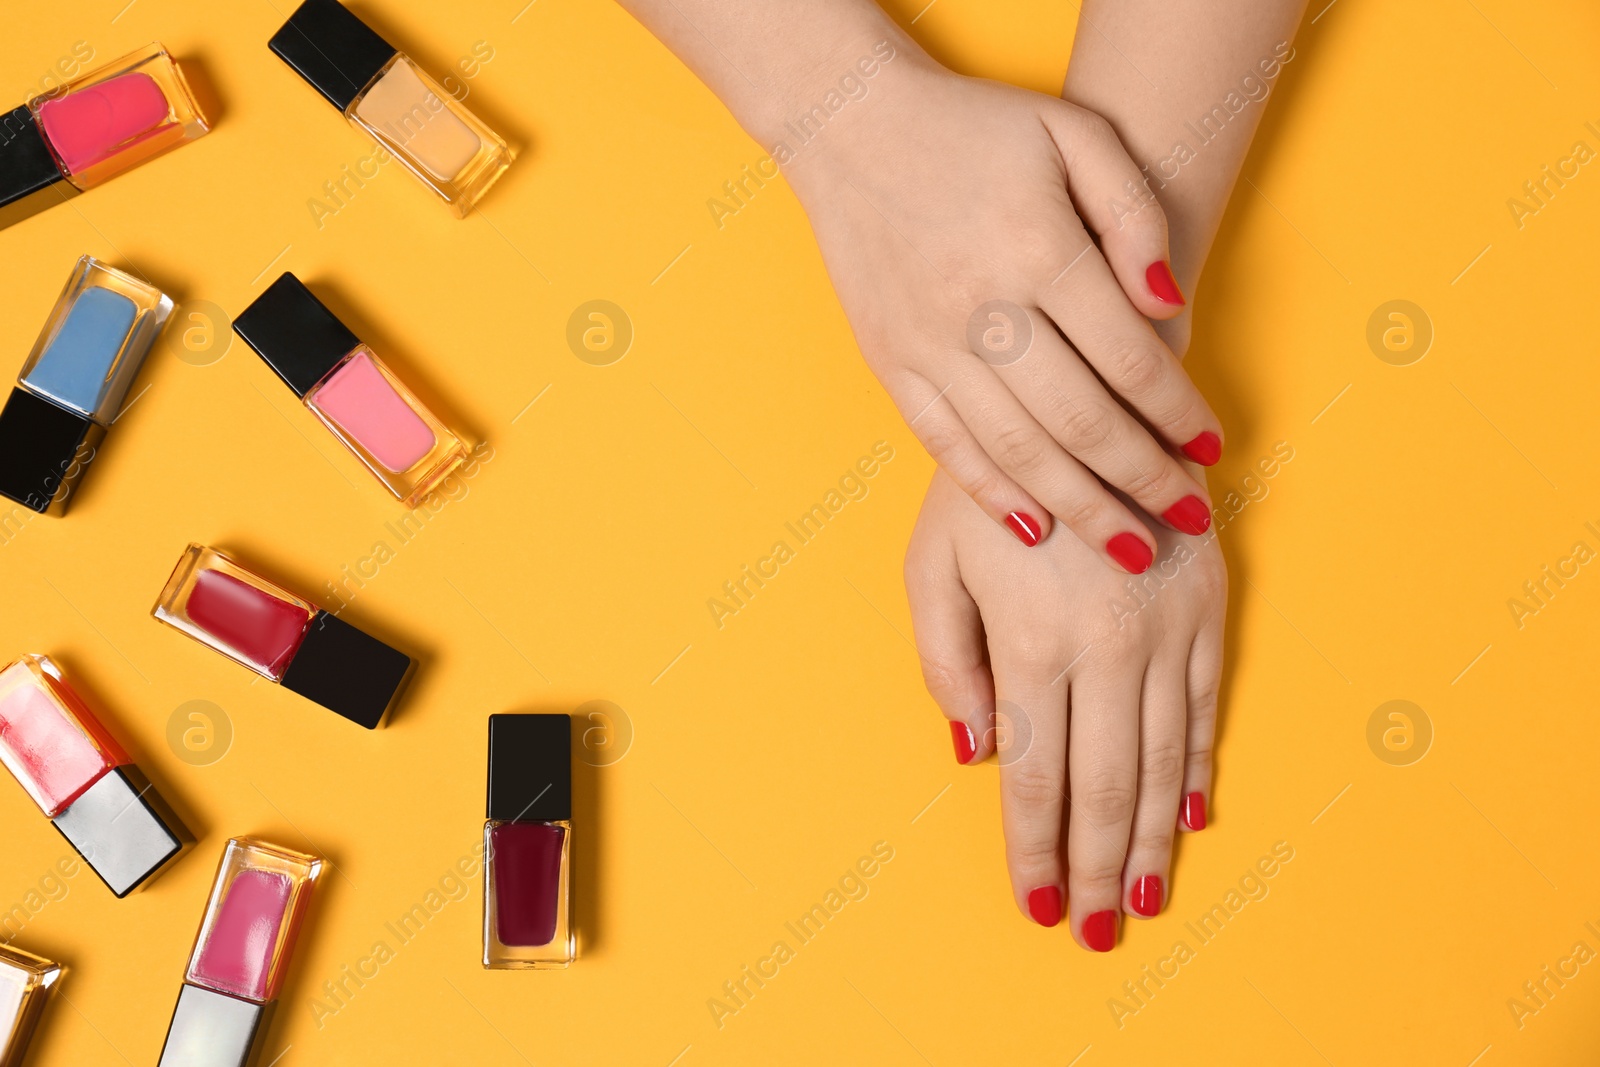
[214, 1030]
[123, 828]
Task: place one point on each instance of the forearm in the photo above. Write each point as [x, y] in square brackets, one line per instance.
[770, 62]
[1214, 65]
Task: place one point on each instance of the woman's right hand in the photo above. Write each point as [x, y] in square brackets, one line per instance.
[999, 257]
[1101, 706]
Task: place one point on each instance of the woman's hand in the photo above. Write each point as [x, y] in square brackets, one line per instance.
[1102, 701]
[959, 221]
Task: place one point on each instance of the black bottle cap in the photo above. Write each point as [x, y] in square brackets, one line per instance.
[30, 179]
[530, 768]
[44, 450]
[298, 337]
[330, 47]
[347, 671]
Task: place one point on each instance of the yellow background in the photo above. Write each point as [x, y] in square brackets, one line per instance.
[777, 750]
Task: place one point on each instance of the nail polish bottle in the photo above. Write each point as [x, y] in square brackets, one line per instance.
[25, 984]
[348, 387]
[527, 841]
[82, 779]
[73, 384]
[93, 128]
[383, 92]
[246, 938]
[282, 637]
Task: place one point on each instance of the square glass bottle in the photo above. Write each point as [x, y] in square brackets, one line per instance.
[348, 387]
[527, 909]
[93, 128]
[82, 780]
[73, 384]
[247, 935]
[118, 116]
[282, 637]
[25, 984]
[384, 93]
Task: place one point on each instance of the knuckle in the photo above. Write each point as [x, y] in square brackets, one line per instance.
[1114, 638]
[942, 438]
[1035, 851]
[1034, 789]
[1106, 798]
[1097, 127]
[1019, 449]
[1213, 586]
[1203, 696]
[983, 486]
[945, 677]
[1138, 369]
[1082, 513]
[1162, 764]
[971, 288]
[1155, 840]
[1152, 483]
[1038, 650]
[1199, 757]
[1087, 425]
[1038, 249]
[1099, 874]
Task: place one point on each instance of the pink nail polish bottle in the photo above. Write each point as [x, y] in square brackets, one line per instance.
[82, 780]
[246, 939]
[93, 128]
[348, 387]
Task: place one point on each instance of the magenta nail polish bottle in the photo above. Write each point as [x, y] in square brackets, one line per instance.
[527, 841]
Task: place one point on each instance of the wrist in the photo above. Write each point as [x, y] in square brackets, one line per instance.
[825, 106]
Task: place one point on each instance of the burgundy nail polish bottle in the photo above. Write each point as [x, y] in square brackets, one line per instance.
[527, 842]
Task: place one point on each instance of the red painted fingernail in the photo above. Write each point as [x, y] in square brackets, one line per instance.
[966, 745]
[1159, 277]
[1147, 896]
[1194, 811]
[1189, 515]
[1100, 931]
[1044, 904]
[1132, 554]
[1205, 449]
[1025, 527]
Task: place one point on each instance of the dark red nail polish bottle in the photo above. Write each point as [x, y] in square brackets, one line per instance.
[527, 841]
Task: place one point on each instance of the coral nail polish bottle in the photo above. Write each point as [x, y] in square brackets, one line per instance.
[348, 387]
[282, 637]
[246, 939]
[92, 129]
[82, 779]
[25, 984]
[381, 91]
[72, 386]
[527, 918]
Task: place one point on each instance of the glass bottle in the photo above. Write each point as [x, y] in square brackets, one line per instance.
[527, 838]
[348, 388]
[247, 936]
[384, 93]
